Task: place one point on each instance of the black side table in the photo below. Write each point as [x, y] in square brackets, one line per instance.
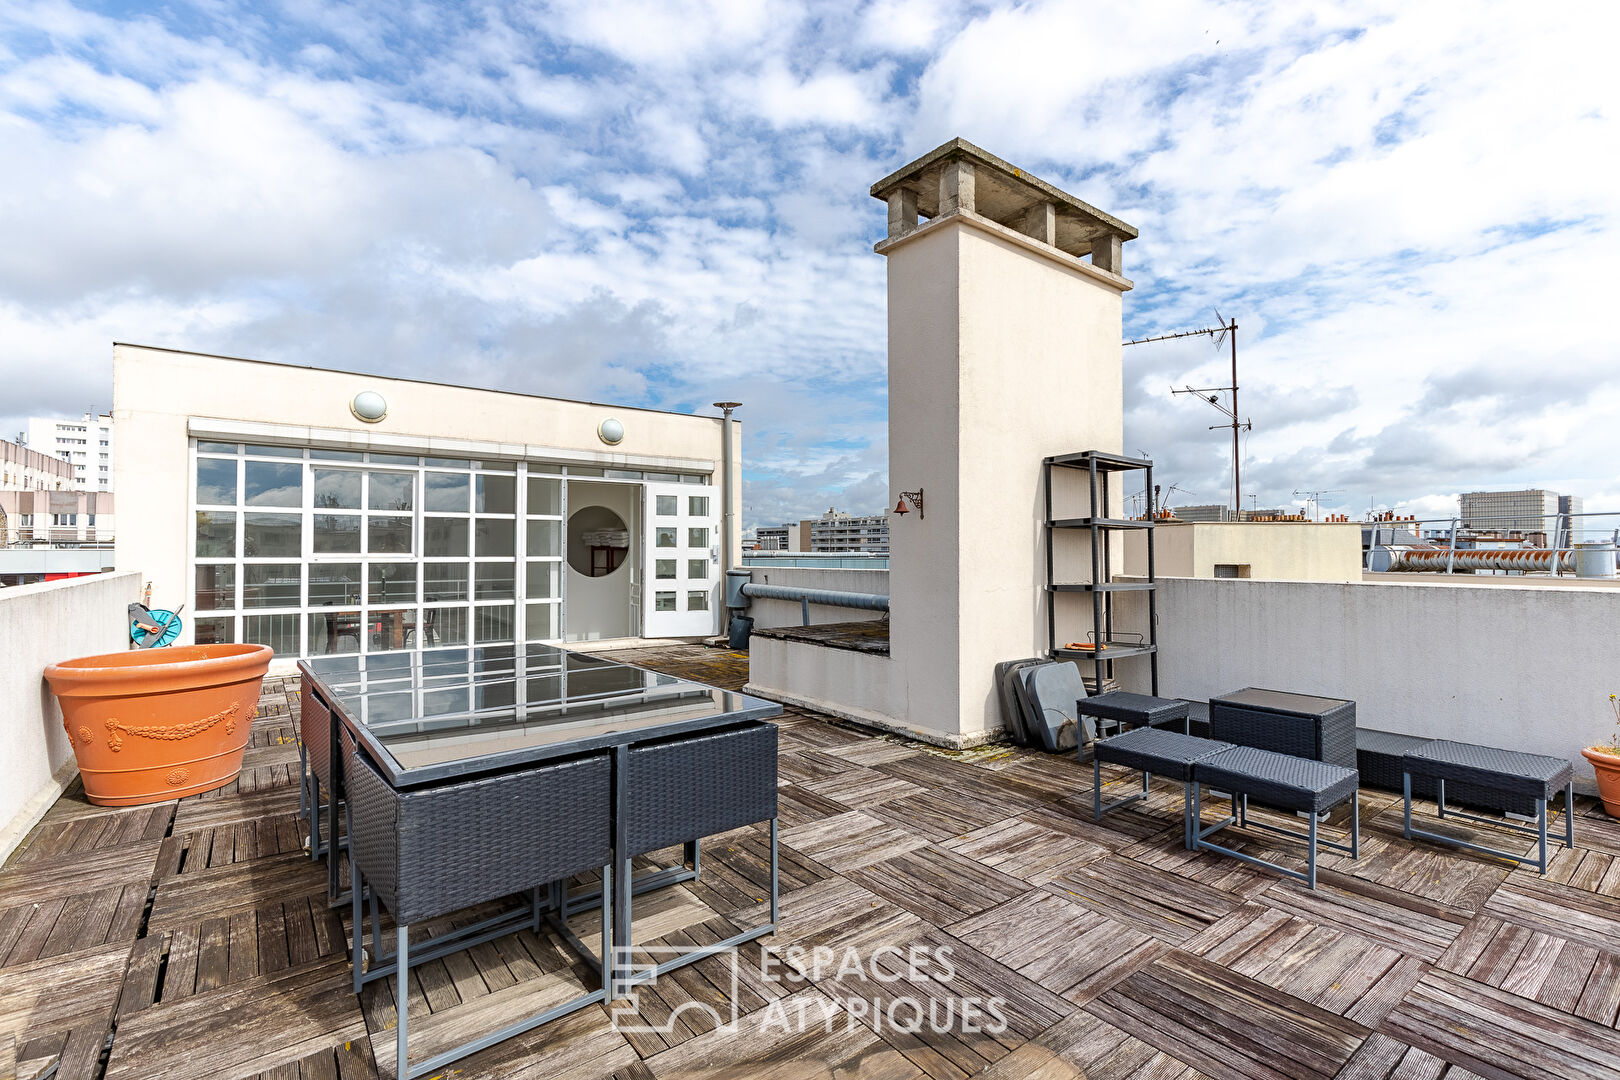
[1319, 728]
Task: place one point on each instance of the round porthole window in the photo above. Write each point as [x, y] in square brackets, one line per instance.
[369, 406]
[610, 431]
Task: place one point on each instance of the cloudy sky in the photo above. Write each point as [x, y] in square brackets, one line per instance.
[1411, 209]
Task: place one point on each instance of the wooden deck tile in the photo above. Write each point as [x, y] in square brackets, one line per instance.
[1163, 905]
[850, 840]
[1028, 848]
[937, 885]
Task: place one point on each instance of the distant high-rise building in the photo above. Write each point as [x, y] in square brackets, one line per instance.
[85, 443]
[1571, 507]
[1208, 512]
[789, 536]
[1528, 512]
[838, 531]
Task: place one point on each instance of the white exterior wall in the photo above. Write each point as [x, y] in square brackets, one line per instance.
[1522, 668]
[41, 625]
[1280, 551]
[159, 396]
[840, 682]
[1001, 352]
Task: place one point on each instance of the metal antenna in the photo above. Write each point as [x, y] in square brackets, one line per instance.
[1314, 498]
[1219, 334]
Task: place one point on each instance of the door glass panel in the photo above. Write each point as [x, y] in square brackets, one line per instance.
[545, 538]
[697, 538]
[492, 623]
[268, 483]
[390, 491]
[391, 583]
[271, 585]
[497, 495]
[444, 626]
[266, 535]
[216, 482]
[444, 581]
[216, 535]
[388, 535]
[280, 632]
[337, 489]
[334, 632]
[697, 600]
[390, 630]
[697, 569]
[664, 601]
[214, 631]
[494, 536]
[332, 584]
[664, 569]
[449, 492]
[668, 505]
[545, 496]
[665, 538]
[544, 579]
[445, 536]
[494, 581]
[697, 505]
[540, 622]
[216, 587]
[337, 533]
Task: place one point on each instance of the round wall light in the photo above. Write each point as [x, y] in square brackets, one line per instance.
[369, 406]
[610, 431]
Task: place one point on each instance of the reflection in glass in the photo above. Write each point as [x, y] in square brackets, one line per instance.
[665, 538]
[216, 448]
[268, 535]
[697, 538]
[545, 496]
[667, 505]
[280, 632]
[497, 495]
[269, 483]
[389, 490]
[216, 482]
[216, 534]
[665, 568]
[271, 585]
[664, 601]
[334, 632]
[544, 580]
[275, 451]
[444, 581]
[445, 626]
[391, 583]
[540, 622]
[494, 581]
[214, 631]
[697, 600]
[216, 587]
[494, 536]
[331, 584]
[492, 623]
[697, 569]
[545, 538]
[697, 505]
[337, 489]
[444, 536]
[390, 630]
[337, 533]
[388, 535]
[446, 491]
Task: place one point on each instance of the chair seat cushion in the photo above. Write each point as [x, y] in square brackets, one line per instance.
[1154, 750]
[1140, 709]
[1280, 780]
[1510, 771]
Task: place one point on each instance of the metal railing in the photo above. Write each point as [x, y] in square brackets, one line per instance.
[1584, 544]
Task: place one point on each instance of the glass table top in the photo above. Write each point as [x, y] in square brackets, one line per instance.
[446, 712]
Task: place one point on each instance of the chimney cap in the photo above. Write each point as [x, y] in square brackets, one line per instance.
[1004, 193]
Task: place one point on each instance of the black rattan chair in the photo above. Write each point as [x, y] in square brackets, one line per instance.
[427, 852]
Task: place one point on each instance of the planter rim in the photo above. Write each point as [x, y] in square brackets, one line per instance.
[155, 670]
[1594, 752]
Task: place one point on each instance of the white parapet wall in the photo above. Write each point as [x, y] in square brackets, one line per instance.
[768, 614]
[1525, 668]
[41, 625]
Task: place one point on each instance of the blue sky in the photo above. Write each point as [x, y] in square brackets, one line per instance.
[1410, 209]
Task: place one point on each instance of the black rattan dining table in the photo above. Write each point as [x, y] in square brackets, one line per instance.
[449, 715]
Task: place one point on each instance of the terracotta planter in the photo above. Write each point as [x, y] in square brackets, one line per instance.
[155, 724]
[1608, 776]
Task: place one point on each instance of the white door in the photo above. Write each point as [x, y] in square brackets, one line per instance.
[681, 578]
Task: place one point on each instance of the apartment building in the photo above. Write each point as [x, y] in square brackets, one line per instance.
[85, 443]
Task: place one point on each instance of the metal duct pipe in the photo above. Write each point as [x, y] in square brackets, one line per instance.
[825, 597]
[1437, 560]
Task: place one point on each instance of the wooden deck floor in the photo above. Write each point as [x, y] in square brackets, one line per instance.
[192, 939]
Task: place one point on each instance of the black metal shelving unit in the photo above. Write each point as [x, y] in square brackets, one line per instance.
[1107, 651]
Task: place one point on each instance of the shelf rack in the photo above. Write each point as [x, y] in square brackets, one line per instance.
[1099, 467]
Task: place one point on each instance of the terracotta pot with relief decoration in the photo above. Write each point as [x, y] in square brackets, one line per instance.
[155, 724]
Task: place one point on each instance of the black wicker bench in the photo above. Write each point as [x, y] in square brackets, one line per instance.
[1282, 781]
[1139, 710]
[1381, 756]
[1151, 750]
[1516, 775]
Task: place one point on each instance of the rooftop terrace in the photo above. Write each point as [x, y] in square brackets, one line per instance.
[192, 939]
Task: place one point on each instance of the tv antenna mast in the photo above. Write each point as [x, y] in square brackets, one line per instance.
[1314, 498]
[1222, 332]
